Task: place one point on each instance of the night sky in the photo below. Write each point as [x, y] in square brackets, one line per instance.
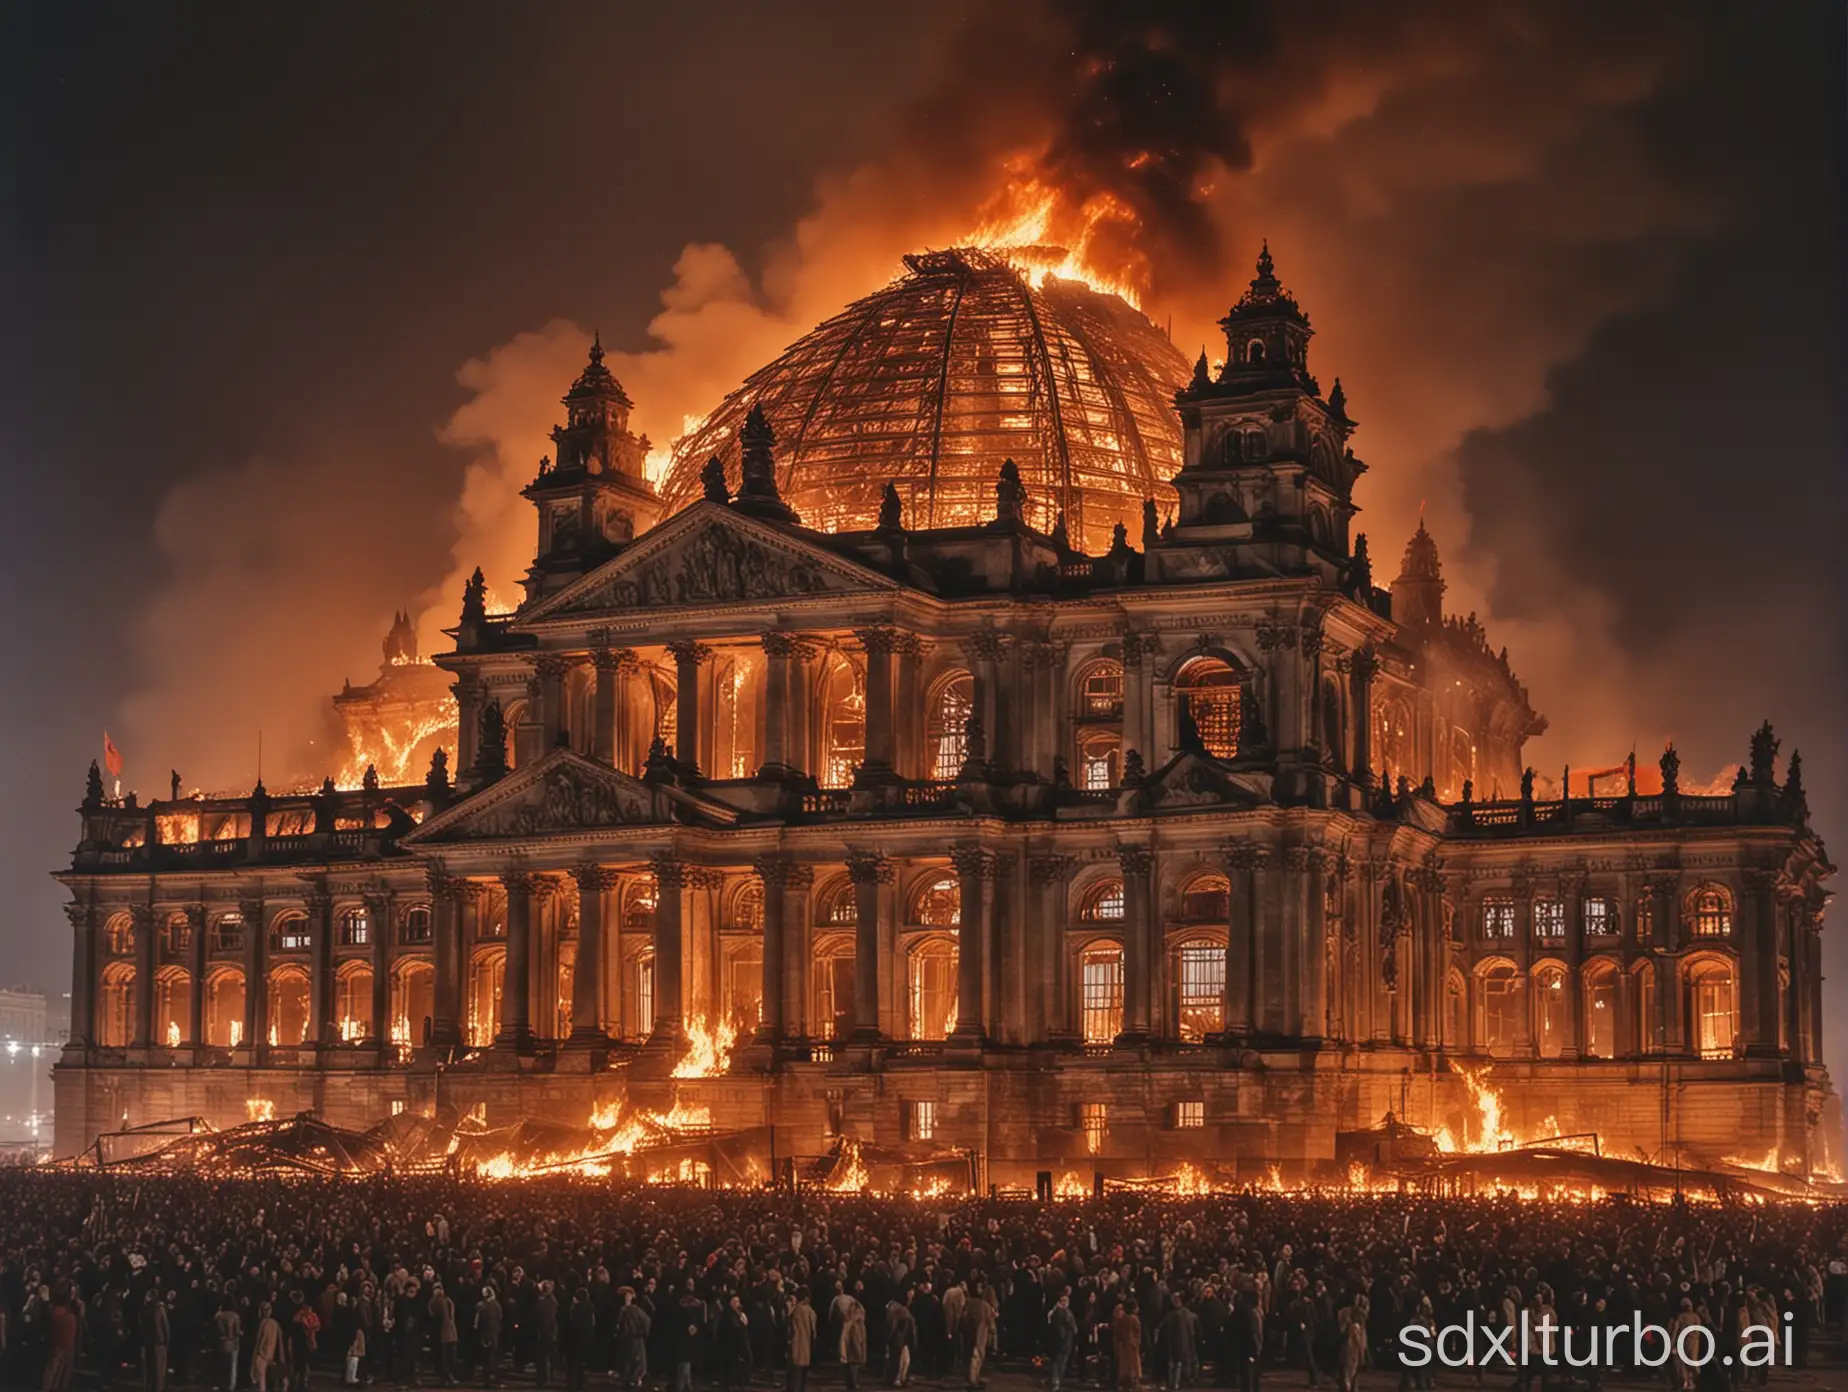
[1579, 268]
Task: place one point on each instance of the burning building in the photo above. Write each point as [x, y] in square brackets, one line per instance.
[989, 737]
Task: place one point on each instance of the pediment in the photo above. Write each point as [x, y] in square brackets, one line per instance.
[1191, 780]
[562, 792]
[709, 554]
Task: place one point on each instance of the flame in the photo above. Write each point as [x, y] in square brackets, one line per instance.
[708, 1052]
[1771, 1162]
[936, 1188]
[1071, 1186]
[1188, 1180]
[389, 745]
[237, 1033]
[616, 1132]
[687, 1171]
[1490, 1135]
[351, 1030]
[173, 1034]
[259, 1109]
[849, 1175]
[1046, 236]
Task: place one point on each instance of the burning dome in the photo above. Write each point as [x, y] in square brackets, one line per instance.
[934, 380]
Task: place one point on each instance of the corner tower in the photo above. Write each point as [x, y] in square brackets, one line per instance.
[593, 494]
[1267, 479]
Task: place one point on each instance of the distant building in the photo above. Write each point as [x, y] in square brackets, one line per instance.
[25, 1017]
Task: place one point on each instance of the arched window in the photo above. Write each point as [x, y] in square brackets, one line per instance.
[831, 985]
[355, 926]
[1102, 902]
[835, 905]
[1502, 1004]
[1206, 899]
[946, 743]
[747, 906]
[737, 686]
[1552, 1010]
[224, 1008]
[744, 986]
[115, 1007]
[1601, 1005]
[937, 902]
[1710, 912]
[228, 932]
[289, 932]
[843, 705]
[175, 936]
[413, 1002]
[353, 1002]
[1716, 1008]
[1199, 973]
[416, 926]
[119, 935]
[1100, 760]
[288, 1007]
[1100, 690]
[172, 998]
[639, 988]
[1100, 992]
[580, 715]
[1254, 351]
[1210, 706]
[1392, 733]
[487, 979]
[930, 972]
[663, 688]
[513, 715]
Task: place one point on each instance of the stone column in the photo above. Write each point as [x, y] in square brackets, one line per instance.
[609, 664]
[773, 870]
[256, 977]
[323, 1024]
[670, 877]
[446, 893]
[779, 649]
[1758, 946]
[881, 742]
[1572, 886]
[1670, 1036]
[975, 870]
[146, 928]
[470, 697]
[1052, 985]
[83, 974]
[551, 669]
[598, 904]
[516, 1028]
[195, 960]
[1140, 950]
[797, 878]
[1239, 935]
[1136, 679]
[688, 657]
[1314, 950]
[984, 650]
[1362, 668]
[868, 870]
[379, 909]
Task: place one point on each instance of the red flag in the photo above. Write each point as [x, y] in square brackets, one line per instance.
[112, 757]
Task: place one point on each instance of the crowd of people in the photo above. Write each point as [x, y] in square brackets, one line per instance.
[286, 1285]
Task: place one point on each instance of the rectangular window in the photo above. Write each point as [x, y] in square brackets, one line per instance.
[1498, 918]
[1549, 918]
[1645, 918]
[1093, 1120]
[397, 1106]
[1189, 1116]
[1600, 918]
[923, 1121]
[294, 935]
[1101, 977]
[644, 996]
[1201, 978]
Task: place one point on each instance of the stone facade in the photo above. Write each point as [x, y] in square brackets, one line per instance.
[1077, 861]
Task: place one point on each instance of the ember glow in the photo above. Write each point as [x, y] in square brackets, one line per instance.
[709, 1048]
[849, 1175]
[259, 1109]
[391, 746]
[1035, 226]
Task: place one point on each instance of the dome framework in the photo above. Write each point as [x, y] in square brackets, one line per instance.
[933, 381]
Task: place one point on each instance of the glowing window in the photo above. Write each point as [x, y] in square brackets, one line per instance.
[1553, 1011]
[1211, 709]
[416, 925]
[1645, 918]
[1103, 902]
[1501, 1008]
[1710, 913]
[1549, 918]
[291, 933]
[1206, 899]
[1498, 918]
[924, 1120]
[1100, 977]
[1100, 691]
[1600, 918]
[931, 978]
[844, 701]
[1601, 1015]
[1099, 761]
[937, 903]
[1715, 1010]
[1094, 1121]
[946, 737]
[1200, 977]
[355, 927]
[1189, 1116]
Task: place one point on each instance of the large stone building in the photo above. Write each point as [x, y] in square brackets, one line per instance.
[1194, 844]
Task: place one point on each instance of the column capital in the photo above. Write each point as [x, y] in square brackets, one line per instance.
[1135, 860]
[778, 643]
[554, 664]
[985, 645]
[668, 872]
[521, 881]
[80, 915]
[317, 900]
[704, 877]
[689, 651]
[973, 862]
[1136, 646]
[869, 867]
[1296, 858]
[599, 878]
[444, 886]
[1043, 870]
[614, 659]
[1365, 664]
[879, 640]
